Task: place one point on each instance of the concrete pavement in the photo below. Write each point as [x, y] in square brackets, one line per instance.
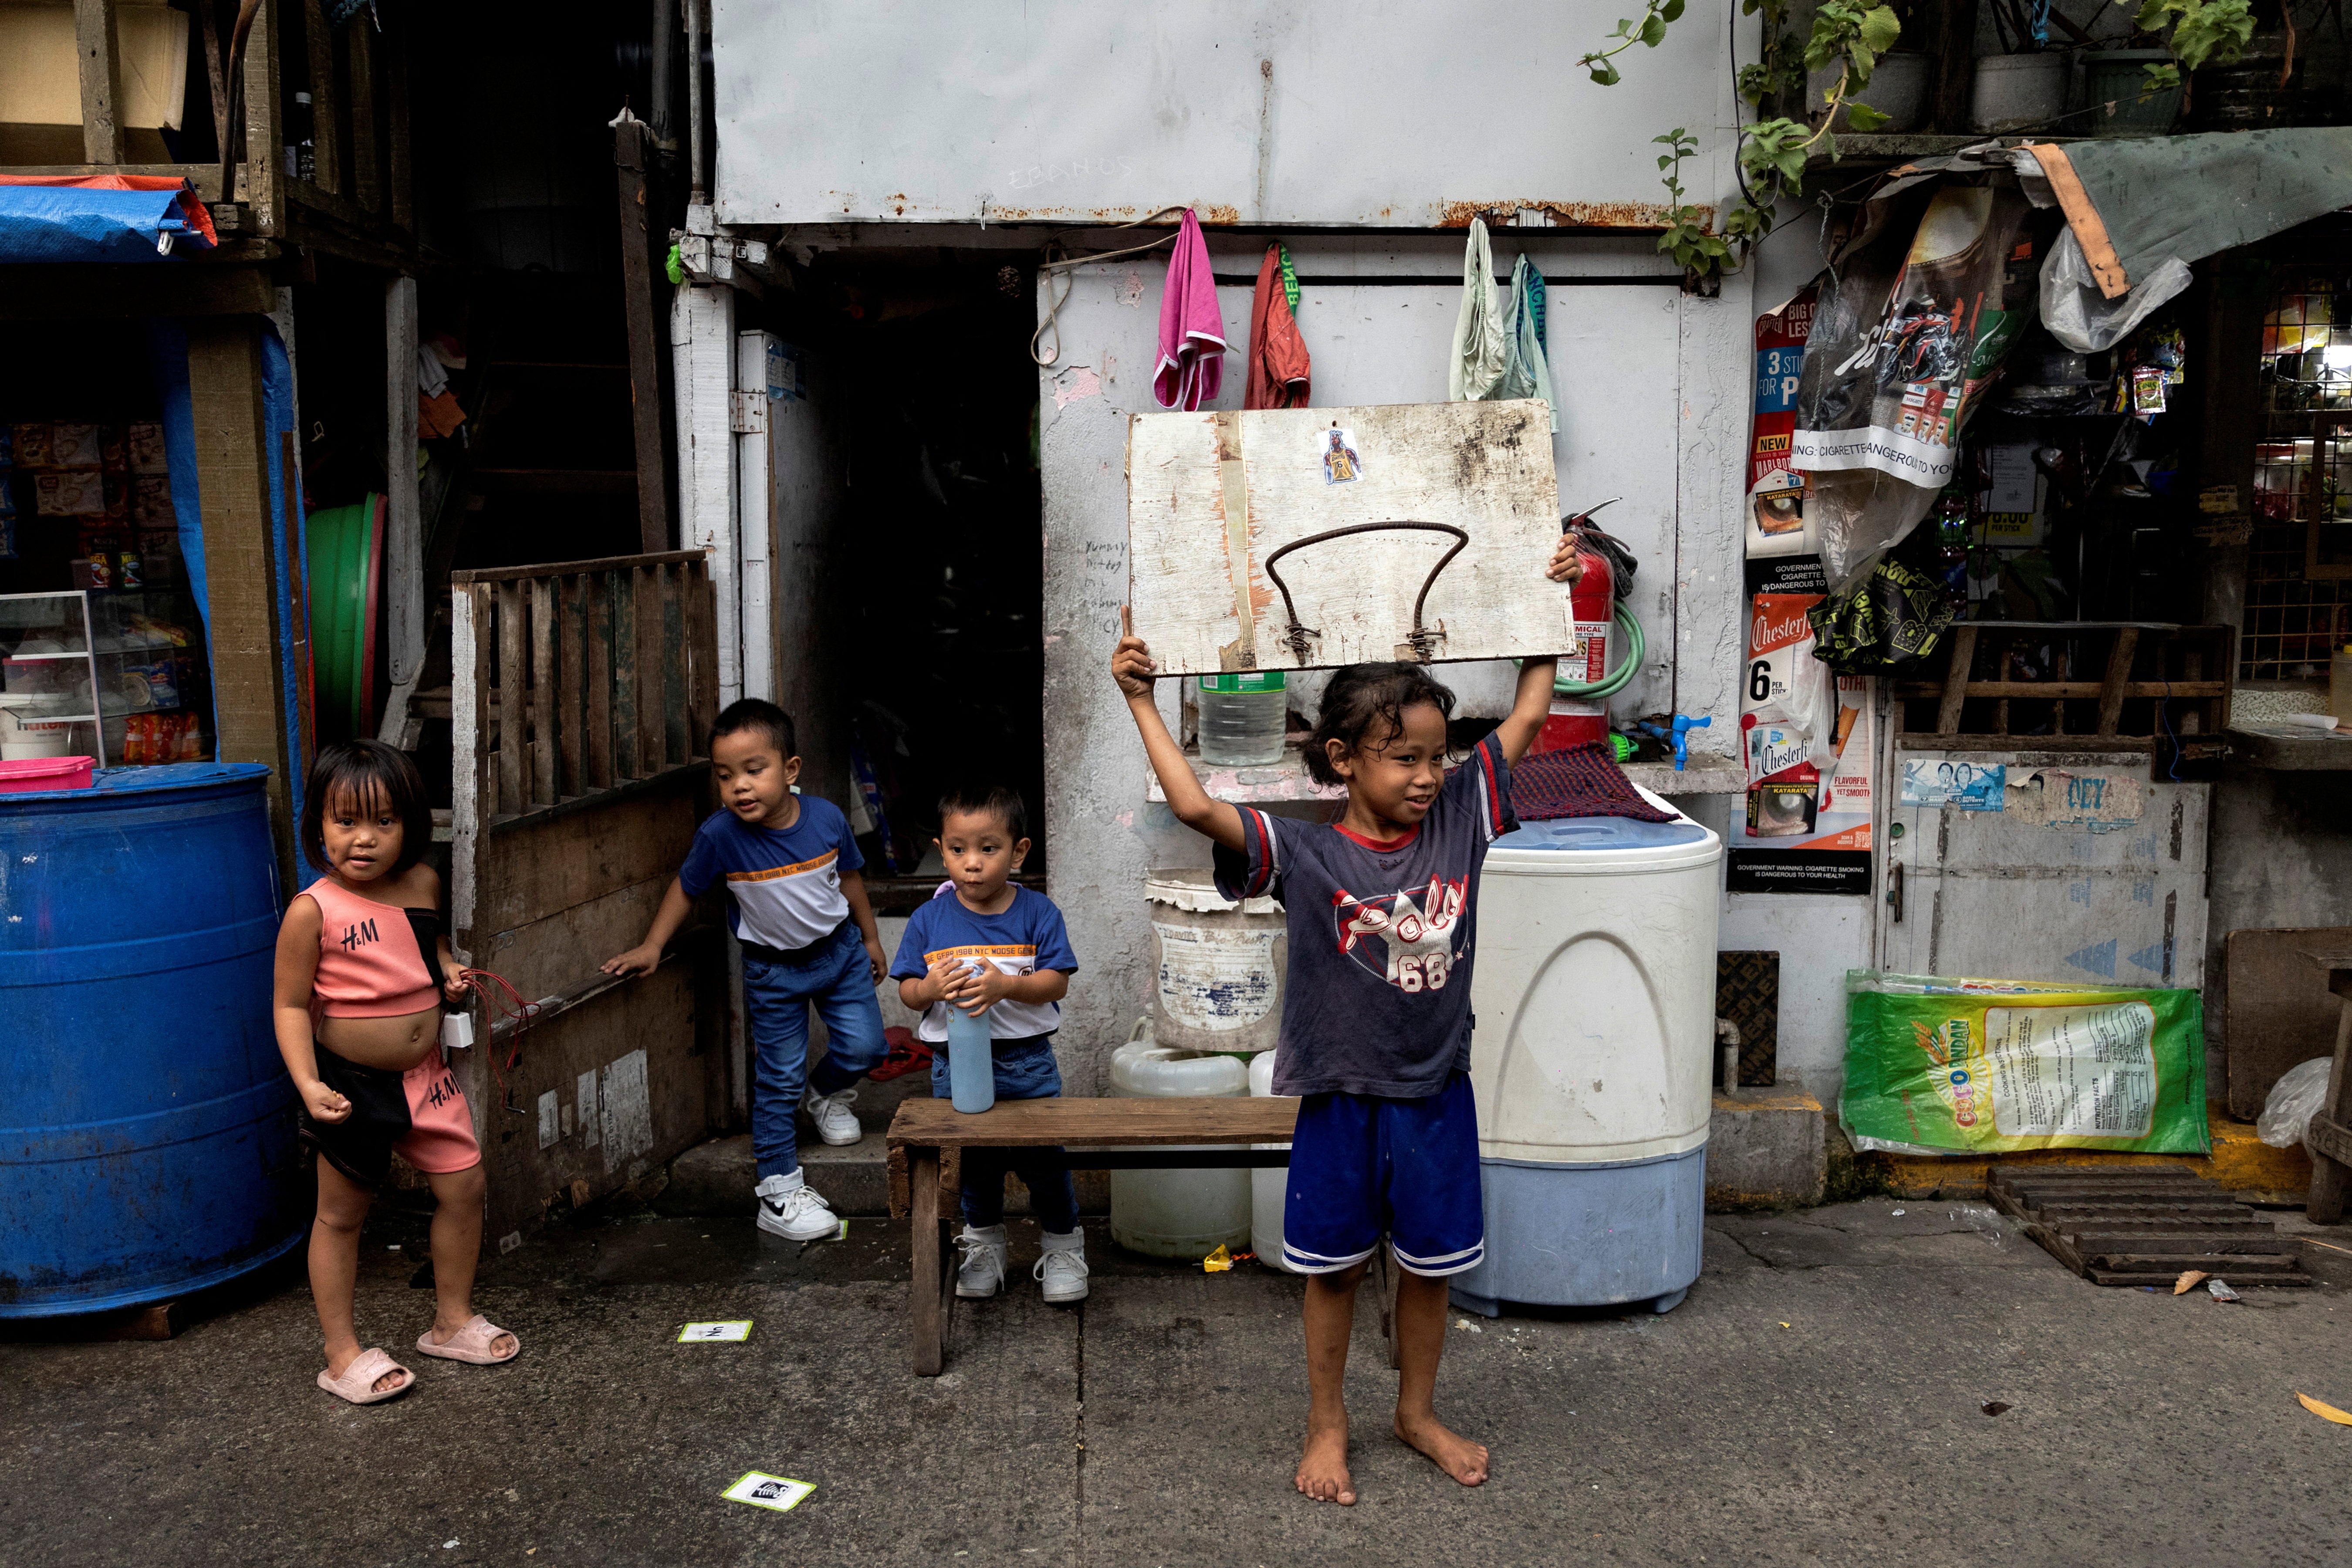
[1819, 1398]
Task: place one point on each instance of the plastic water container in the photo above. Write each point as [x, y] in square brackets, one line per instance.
[1269, 1187]
[971, 1061]
[1242, 718]
[1185, 1214]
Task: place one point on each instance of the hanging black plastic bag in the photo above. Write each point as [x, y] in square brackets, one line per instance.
[1888, 622]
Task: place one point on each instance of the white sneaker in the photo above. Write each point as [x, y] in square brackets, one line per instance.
[980, 1272]
[835, 1122]
[1062, 1269]
[791, 1209]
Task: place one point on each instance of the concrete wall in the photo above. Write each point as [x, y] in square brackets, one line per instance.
[1074, 111]
[1652, 390]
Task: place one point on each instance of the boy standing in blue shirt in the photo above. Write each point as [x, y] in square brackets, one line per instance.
[799, 909]
[991, 944]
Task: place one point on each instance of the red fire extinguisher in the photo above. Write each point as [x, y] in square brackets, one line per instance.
[1579, 719]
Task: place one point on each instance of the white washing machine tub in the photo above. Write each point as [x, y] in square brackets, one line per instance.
[1594, 995]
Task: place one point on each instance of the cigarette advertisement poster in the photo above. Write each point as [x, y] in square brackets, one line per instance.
[1807, 741]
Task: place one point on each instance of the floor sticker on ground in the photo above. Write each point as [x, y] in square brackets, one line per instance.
[778, 1492]
[730, 1333]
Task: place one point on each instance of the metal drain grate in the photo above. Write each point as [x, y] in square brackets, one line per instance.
[2142, 1224]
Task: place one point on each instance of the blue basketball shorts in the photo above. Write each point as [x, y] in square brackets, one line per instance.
[1362, 1166]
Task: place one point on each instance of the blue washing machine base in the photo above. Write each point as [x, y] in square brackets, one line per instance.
[1607, 1233]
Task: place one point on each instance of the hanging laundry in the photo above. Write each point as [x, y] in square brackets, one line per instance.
[1192, 333]
[1278, 367]
[1527, 370]
[1478, 346]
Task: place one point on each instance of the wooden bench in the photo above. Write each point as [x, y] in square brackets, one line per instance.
[1100, 1135]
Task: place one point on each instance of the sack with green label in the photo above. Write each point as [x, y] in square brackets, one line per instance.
[1938, 1066]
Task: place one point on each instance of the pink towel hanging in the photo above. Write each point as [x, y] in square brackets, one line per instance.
[1192, 333]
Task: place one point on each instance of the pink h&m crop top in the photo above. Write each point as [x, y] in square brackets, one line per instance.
[375, 961]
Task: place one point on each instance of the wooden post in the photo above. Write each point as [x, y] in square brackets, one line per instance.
[1956, 680]
[469, 682]
[928, 1290]
[225, 387]
[514, 704]
[101, 81]
[653, 725]
[543, 722]
[403, 542]
[629, 153]
[571, 595]
[396, 94]
[326, 131]
[367, 169]
[2118, 676]
[306, 701]
[216, 76]
[265, 179]
[600, 629]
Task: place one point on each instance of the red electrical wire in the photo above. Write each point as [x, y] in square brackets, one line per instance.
[509, 1007]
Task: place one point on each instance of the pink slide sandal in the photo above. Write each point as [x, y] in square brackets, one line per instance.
[470, 1343]
[358, 1382]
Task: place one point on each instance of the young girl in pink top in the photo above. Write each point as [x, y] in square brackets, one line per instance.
[362, 967]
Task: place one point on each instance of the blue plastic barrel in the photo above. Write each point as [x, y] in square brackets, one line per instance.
[148, 1147]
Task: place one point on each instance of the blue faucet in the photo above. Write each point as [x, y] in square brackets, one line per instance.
[1680, 738]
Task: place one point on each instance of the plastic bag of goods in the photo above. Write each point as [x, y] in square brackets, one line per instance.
[1943, 1065]
[2293, 1100]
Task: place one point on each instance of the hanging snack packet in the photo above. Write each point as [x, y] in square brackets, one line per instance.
[1936, 1066]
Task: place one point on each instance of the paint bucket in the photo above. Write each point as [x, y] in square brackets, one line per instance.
[27, 729]
[1898, 89]
[2017, 92]
[2113, 80]
[1217, 965]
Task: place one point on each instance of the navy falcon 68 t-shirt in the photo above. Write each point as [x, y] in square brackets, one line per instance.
[1377, 999]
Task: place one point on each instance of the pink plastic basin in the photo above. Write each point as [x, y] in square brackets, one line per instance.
[45, 772]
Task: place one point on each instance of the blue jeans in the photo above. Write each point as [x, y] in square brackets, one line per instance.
[778, 996]
[1025, 1069]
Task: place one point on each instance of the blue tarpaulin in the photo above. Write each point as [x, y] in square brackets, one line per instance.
[69, 222]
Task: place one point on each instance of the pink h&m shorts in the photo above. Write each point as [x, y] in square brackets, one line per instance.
[421, 1114]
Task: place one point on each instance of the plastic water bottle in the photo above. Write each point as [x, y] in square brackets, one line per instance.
[1242, 718]
[971, 1065]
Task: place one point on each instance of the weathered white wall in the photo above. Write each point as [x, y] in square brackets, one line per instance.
[1370, 115]
[1652, 386]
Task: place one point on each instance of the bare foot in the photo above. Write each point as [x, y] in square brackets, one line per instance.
[338, 1364]
[1323, 1472]
[1455, 1455]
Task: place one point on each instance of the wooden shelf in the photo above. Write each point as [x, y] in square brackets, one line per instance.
[1854, 147]
[1287, 781]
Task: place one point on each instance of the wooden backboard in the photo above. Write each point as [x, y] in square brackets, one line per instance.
[1211, 496]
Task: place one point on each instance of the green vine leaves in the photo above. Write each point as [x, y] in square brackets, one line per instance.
[2204, 32]
[1649, 31]
[1847, 35]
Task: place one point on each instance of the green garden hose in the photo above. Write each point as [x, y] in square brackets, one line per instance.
[1616, 680]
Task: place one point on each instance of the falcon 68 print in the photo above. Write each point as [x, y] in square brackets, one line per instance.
[1416, 926]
